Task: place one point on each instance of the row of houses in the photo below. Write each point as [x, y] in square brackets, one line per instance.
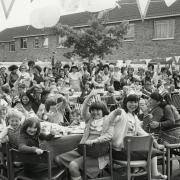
[158, 36]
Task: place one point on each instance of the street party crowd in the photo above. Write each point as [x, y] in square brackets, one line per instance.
[112, 101]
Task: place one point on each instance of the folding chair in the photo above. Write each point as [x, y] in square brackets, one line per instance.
[137, 144]
[173, 153]
[100, 177]
[17, 156]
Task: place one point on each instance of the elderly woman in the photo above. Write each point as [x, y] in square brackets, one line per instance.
[169, 123]
[99, 128]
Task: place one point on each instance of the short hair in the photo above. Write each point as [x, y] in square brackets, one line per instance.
[12, 67]
[151, 65]
[99, 106]
[50, 102]
[66, 66]
[29, 123]
[31, 63]
[156, 96]
[106, 66]
[131, 97]
[14, 113]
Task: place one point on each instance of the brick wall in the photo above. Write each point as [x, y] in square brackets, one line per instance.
[142, 47]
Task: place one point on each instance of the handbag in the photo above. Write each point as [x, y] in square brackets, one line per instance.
[95, 150]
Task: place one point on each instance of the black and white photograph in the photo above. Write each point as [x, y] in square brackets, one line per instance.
[89, 89]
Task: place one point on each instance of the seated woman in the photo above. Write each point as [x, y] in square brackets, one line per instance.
[170, 123]
[162, 115]
[128, 124]
[25, 106]
[11, 132]
[99, 128]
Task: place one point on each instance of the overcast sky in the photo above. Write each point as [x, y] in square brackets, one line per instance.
[22, 10]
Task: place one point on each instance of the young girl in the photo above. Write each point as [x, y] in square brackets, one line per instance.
[128, 124]
[29, 142]
[99, 128]
[11, 132]
[3, 114]
[75, 117]
[55, 107]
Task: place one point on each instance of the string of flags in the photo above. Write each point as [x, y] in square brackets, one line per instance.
[6, 9]
[142, 6]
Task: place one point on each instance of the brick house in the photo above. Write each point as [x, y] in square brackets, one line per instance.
[158, 36]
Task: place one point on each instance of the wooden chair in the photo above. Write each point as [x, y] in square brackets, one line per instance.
[17, 156]
[173, 153]
[4, 161]
[137, 144]
[100, 177]
[176, 101]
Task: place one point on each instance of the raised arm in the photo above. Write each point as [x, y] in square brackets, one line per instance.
[85, 106]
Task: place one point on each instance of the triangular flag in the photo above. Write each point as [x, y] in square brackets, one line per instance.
[7, 10]
[128, 62]
[169, 2]
[143, 7]
[147, 61]
[177, 58]
[168, 59]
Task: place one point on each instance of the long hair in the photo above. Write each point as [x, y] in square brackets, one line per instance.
[29, 123]
[132, 98]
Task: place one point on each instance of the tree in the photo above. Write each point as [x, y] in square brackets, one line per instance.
[97, 40]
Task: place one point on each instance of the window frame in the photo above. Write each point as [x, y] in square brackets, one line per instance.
[168, 30]
[34, 45]
[60, 42]
[44, 39]
[10, 46]
[23, 41]
[128, 37]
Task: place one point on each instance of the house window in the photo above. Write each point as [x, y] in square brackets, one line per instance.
[130, 35]
[45, 41]
[12, 46]
[60, 41]
[23, 43]
[164, 29]
[36, 42]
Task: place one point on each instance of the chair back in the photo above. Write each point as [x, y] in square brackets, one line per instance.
[138, 144]
[4, 160]
[176, 101]
[17, 156]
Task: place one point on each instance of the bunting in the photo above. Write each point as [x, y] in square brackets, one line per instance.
[147, 61]
[7, 10]
[177, 59]
[168, 59]
[169, 2]
[143, 7]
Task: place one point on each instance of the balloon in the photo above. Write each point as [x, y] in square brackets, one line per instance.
[45, 17]
[35, 19]
[50, 16]
[97, 5]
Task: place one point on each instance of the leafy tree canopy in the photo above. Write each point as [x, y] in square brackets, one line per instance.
[96, 40]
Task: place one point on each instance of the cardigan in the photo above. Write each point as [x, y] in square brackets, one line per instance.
[122, 129]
